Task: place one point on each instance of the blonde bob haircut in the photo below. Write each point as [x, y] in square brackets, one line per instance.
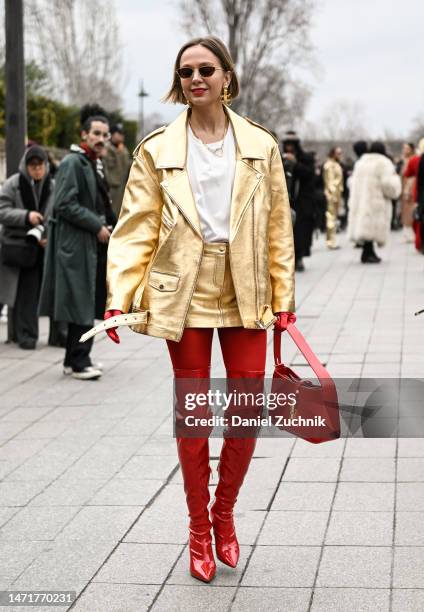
[218, 48]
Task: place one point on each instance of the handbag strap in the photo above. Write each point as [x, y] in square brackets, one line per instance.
[304, 348]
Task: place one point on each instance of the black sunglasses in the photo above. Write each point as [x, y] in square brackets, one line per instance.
[204, 71]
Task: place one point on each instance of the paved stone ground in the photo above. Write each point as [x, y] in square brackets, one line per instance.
[90, 490]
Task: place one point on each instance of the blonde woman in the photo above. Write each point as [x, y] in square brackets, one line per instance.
[205, 241]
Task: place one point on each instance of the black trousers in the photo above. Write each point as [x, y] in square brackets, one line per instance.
[23, 317]
[77, 354]
[368, 248]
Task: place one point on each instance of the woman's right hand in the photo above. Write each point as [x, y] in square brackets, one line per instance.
[112, 333]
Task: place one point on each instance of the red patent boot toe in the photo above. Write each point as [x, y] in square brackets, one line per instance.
[202, 562]
[226, 544]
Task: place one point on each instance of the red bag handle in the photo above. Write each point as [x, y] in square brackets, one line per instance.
[304, 348]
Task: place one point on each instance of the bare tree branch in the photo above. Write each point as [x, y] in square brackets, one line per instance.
[78, 43]
[268, 40]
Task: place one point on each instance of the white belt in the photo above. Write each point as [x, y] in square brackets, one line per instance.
[132, 318]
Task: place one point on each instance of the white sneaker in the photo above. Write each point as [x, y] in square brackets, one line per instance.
[67, 370]
[88, 373]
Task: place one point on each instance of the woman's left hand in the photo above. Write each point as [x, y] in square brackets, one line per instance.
[284, 319]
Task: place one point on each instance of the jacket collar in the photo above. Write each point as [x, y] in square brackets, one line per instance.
[173, 154]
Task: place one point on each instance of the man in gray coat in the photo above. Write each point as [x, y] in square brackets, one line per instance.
[25, 203]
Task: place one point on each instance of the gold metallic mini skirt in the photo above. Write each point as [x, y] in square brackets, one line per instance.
[214, 302]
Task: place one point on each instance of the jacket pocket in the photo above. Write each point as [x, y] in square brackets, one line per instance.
[163, 281]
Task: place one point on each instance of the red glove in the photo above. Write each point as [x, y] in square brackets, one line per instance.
[112, 333]
[283, 319]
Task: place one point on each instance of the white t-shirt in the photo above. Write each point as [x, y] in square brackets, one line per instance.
[211, 179]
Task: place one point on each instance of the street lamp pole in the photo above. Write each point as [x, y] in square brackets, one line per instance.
[15, 120]
[141, 95]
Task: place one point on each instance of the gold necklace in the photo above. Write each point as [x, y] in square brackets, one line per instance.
[219, 152]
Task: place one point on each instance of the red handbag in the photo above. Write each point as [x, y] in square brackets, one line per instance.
[310, 411]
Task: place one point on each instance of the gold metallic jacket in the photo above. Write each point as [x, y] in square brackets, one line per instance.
[156, 248]
[333, 181]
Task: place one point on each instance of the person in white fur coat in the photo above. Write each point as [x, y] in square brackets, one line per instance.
[373, 185]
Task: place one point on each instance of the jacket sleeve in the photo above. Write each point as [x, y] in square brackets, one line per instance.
[281, 244]
[135, 236]
[66, 200]
[10, 215]
[391, 183]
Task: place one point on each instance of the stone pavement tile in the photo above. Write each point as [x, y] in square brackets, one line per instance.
[158, 446]
[16, 556]
[408, 572]
[94, 523]
[38, 468]
[64, 566]
[28, 414]
[139, 563]
[21, 449]
[386, 370]
[297, 528]
[305, 469]
[138, 426]
[409, 529]
[126, 492]
[7, 467]
[46, 429]
[272, 447]
[20, 493]
[355, 566]
[408, 600]
[102, 597]
[382, 357]
[373, 469]
[66, 413]
[360, 529]
[351, 600]
[37, 523]
[64, 492]
[346, 358]
[365, 496]
[332, 449]
[411, 447]
[248, 524]
[410, 496]
[310, 496]
[370, 447]
[256, 496]
[148, 466]
[6, 514]
[276, 599]
[179, 598]
[158, 526]
[225, 576]
[9, 429]
[98, 465]
[410, 469]
[289, 566]
[91, 427]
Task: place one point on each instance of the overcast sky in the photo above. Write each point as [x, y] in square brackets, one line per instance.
[368, 51]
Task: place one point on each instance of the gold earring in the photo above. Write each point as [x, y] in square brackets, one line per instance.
[226, 96]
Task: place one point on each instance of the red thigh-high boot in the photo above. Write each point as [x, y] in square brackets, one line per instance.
[234, 462]
[193, 455]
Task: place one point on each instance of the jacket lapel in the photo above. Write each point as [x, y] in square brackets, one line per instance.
[173, 154]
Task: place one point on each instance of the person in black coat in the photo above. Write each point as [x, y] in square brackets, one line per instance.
[302, 194]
